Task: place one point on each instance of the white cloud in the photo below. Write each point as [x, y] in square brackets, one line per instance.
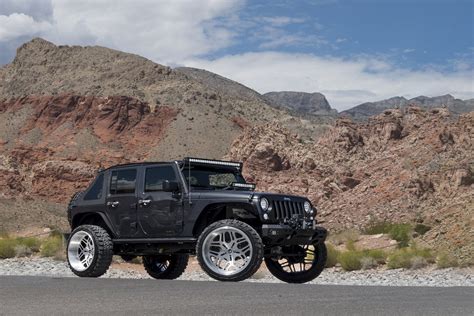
[19, 24]
[281, 20]
[164, 30]
[346, 82]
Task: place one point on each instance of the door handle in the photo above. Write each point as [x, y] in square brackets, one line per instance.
[113, 204]
[144, 202]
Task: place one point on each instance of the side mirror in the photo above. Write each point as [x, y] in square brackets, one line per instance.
[170, 186]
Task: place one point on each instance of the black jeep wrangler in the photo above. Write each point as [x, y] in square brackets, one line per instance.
[166, 211]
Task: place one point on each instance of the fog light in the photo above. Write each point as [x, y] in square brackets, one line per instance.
[307, 207]
[265, 216]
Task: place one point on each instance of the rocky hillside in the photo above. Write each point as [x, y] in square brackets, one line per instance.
[301, 102]
[42, 69]
[365, 110]
[408, 165]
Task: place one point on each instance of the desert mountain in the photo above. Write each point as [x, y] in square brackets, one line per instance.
[44, 70]
[365, 110]
[301, 102]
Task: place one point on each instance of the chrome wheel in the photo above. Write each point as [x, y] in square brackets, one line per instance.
[227, 250]
[302, 262]
[298, 264]
[81, 251]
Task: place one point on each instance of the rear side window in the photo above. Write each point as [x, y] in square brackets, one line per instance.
[155, 177]
[123, 181]
[95, 192]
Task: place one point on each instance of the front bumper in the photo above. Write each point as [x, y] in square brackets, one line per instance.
[281, 234]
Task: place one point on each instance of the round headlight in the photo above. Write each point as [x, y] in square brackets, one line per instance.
[307, 207]
[264, 204]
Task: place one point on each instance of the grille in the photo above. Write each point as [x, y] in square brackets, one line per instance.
[286, 209]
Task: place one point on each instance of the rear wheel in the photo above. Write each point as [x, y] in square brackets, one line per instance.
[168, 267]
[89, 251]
[229, 250]
[301, 264]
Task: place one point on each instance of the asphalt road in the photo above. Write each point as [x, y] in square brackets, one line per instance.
[43, 295]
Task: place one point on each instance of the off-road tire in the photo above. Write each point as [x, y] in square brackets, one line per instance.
[176, 264]
[300, 277]
[257, 251]
[103, 251]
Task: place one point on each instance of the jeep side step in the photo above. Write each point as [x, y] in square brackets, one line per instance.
[182, 240]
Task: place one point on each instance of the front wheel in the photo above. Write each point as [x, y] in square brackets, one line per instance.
[229, 250]
[301, 264]
[89, 251]
[167, 267]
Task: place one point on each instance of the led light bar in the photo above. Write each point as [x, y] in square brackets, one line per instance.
[243, 185]
[215, 162]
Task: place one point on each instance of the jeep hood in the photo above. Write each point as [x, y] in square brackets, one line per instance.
[239, 195]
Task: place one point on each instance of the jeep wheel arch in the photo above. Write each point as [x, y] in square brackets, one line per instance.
[219, 211]
[98, 219]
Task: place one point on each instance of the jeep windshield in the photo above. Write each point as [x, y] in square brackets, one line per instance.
[212, 177]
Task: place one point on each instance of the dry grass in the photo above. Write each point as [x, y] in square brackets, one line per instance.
[351, 260]
[344, 237]
[410, 258]
[18, 247]
[7, 248]
[401, 232]
[332, 254]
[53, 246]
[446, 260]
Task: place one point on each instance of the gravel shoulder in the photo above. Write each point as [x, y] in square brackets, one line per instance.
[331, 276]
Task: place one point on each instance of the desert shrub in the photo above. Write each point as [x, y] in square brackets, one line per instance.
[421, 229]
[53, 246]
[350, 245]
[368, 263]
[378, 227]
[350, 260]
[401, 233]
[445, 260]
[32, 243]
[377, 254]
[137, 260]
[7, 248]
[344, 236]
[418, 262]
[22, 251]
[412, 257]
[332, 256]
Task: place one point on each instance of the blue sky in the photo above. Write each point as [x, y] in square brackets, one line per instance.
[351, 50]
[416, 33]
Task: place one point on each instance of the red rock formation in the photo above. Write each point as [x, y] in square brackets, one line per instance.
[74, 136]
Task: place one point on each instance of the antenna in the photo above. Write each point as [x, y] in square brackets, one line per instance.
[189, 181]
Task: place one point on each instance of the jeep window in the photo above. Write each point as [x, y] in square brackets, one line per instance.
[95, 191]
[123, 181]
[212, 177]
[155, 177]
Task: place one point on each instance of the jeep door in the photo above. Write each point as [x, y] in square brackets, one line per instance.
[122, 201]
[160, 213]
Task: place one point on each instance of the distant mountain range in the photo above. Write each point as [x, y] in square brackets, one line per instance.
[365, 110]
[303, 103]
